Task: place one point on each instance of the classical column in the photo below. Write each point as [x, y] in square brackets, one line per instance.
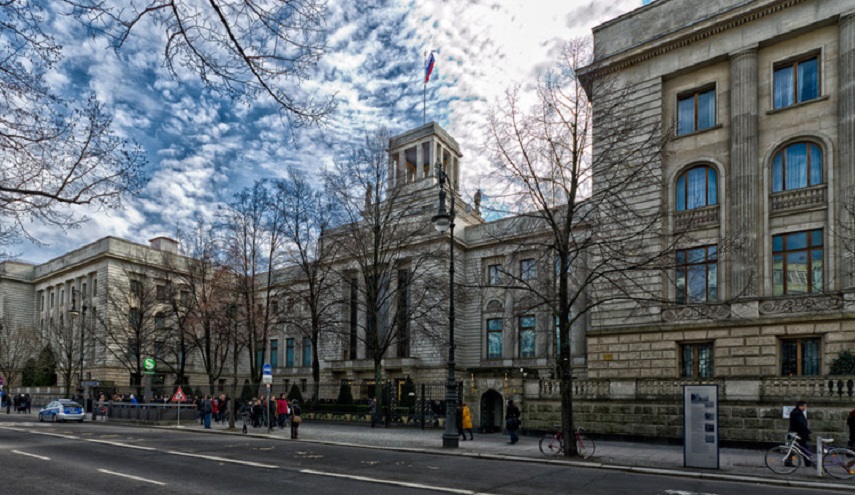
[420, 159]
[743, 198]
[846, 148]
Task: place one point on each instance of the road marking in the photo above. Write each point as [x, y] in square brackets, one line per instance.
[403, 484]
[32, 455]
[682, 492]
[137, 478]
[118, 444]
[222, 459]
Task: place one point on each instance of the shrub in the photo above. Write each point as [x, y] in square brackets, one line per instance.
[295, 394]
[843, 364]
[345, 395]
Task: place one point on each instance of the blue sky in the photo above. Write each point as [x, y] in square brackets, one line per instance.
[201, 148]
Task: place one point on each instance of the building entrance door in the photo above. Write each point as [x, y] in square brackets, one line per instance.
[491, 412]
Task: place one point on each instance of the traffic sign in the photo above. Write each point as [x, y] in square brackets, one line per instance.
[267, 379]
[149, 365]
[179, 396]
[267, 369]
[91, 383]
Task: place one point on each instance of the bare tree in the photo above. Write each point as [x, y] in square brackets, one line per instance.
[64, 337]
[306, 215]
[176, 319]
[239, 48]
[384, 260]
[583, 241]
[55, 154]
[18, 344]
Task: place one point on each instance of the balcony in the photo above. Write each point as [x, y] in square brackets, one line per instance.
[696, 219]
[807, 198]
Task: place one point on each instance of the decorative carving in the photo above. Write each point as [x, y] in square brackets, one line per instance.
[697, 312]
[798, 199]
[803, 304]
[697, 218]
[494, 306]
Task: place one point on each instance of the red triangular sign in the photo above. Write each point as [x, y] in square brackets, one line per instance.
[179, 396]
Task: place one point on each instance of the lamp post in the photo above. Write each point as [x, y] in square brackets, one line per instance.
[444, 221]
[75, 313]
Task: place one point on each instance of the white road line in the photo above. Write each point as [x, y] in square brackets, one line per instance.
[137, 478]
[31, 455]
[117, 444]
[222, 459]
[403, 484]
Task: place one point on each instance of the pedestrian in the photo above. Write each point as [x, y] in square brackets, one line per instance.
[512, 421]
[458, 419]
[467, 422]
[850, 422]
[372, 410]
[282, 410]
[799, 426]
[295, 418]
[207, 411]
[102, 407]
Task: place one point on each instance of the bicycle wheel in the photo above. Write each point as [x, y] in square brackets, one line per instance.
[585, 446]
[550, 445]
[781, 460]
[839, 463]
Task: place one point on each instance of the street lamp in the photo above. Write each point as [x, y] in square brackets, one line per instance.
[444, 221]
[74, 313]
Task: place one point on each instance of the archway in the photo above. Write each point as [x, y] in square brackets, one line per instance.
[491, 412]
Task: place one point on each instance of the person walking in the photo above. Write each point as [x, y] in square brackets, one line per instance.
[207, 411]
[512, 421]
[458, 418]
[372, 410]
[295, 418]
[282, 410]
[467, 422]
[799, 426]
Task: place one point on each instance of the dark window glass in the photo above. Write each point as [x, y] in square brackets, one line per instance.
[696, 111]
[697, 275]
[527, 336]
[527, 269]
[274, 353]
[796, 82]
[797, 260]
[289, 353]
[800, 357]
[307, 351]
[494, 338]
[494, 274]
[697, 360]
[696, 188]
[797, 166]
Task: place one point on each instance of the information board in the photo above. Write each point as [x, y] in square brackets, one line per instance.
[700, 426]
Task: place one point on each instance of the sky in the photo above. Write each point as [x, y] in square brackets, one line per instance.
[202, 148]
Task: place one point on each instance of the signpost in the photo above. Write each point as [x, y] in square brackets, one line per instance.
[179, 397]
[267, 379]
[149, 365]
[700, 426]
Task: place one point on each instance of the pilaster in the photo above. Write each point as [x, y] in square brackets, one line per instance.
[846, 146]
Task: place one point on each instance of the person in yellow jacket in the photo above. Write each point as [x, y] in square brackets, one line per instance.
[467, 422]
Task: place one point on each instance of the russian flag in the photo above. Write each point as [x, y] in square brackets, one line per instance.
[429, 67]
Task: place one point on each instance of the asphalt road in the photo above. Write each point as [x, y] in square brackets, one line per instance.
[97, 458]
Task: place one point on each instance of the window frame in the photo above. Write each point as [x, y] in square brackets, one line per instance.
[274, 353]
[521, 329]
[307, 351]
[782, 152]
[793, 63]
[494, 274]
[500, 332]
[709, 260]
[695, 94]
[808, 249]
[684, 176]
[800, 365]
[289, 352]
[528, 274]
[696, 362]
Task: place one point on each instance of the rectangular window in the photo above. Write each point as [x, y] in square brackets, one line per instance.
[797, 263]
[51, 299]
[136, 287]
[307, 351]
[259, 355]
[494, 274]
[527, 347]
[697, 275]
[494, 338]
[696, 111]
[135, 318]
[274, 353]
[527, 269]
[289, 353]
[696, 360]
[795, 82]
[403, 314]
[800, 357]
[161, 293]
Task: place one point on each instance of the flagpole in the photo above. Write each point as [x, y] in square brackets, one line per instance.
[424, 96]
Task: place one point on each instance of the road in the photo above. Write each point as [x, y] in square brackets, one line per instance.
[94, 458]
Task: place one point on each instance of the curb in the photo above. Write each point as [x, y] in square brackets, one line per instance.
[820, 485]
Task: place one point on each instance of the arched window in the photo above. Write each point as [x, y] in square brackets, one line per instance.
[697, 187]
[797, 166]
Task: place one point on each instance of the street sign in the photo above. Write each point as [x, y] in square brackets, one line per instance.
[149, 365]
[179, 396]
[91, 383]
[267, 369]
[268, 379]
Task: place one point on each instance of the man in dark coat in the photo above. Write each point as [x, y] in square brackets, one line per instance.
[799, 426]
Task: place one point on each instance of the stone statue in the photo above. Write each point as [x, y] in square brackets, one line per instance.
[478, 201]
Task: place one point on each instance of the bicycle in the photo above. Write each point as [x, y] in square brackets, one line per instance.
[838, 462]
[552, 444]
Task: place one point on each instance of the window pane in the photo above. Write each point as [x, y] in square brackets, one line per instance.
[706, 109]
[777, 243]
[816, 270]
[686, 115]
[681, 193]
[816, 237]
[783, 87]
[527, 343]
[808, 80]
[797, 273]
[778, 172]
[712, 253]
[681, 285]
[704, 360]
[712, 185]
[789, 357]
[494, 324]
[815, 165]
[274, 353]
[494, 345]
[697, 188]
[688, 361]
[778, 275]
[797, 241]
[796, 171]
[697, 255]
[697, 283]
[810, 357]
[712, 283]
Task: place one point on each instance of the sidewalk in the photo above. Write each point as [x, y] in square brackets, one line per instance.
[735, 464]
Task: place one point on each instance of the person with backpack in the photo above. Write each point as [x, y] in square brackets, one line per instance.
[295, 418]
